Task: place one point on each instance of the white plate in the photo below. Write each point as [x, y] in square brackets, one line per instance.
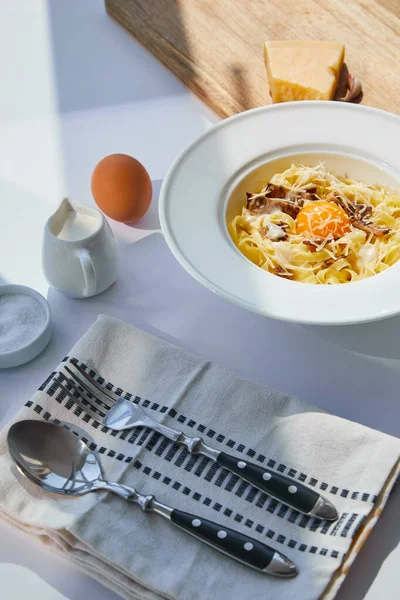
[206, 185]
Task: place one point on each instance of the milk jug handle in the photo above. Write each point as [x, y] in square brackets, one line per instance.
[88, 272]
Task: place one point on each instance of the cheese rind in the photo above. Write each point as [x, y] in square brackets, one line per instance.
[303, 69]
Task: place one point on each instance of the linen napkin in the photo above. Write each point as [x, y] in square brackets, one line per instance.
[142, 556]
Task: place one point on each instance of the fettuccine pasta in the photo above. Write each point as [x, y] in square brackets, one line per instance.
[311, 225]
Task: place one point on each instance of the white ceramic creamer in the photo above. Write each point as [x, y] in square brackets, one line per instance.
[79, 254]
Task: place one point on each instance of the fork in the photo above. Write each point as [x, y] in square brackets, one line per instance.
[120, 414]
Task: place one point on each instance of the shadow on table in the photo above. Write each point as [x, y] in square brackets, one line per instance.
[151, 221]
[380, 339]
[130, 233]
[97, 63]
[385, 537]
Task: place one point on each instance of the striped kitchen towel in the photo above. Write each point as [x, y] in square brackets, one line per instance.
[141, 556]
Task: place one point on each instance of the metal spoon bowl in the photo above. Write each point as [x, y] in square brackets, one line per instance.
[54, 458]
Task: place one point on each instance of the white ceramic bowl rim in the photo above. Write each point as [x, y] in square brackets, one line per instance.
[33, 347]
[193, 203]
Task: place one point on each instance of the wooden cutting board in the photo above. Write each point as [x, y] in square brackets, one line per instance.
[215, 47]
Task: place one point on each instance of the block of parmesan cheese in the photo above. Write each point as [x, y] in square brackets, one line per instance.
[303, 69]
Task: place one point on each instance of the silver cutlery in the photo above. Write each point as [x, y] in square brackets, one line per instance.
[58, 461]
[119, 414]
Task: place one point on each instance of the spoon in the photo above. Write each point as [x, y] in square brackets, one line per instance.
[58, 461]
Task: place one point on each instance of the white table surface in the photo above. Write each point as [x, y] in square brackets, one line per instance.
[76, 87]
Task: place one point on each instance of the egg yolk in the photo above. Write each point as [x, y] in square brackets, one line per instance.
[321, 220]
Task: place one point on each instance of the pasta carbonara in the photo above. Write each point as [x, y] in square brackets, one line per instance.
[311, 225]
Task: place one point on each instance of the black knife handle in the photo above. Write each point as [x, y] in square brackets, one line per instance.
[275, 484]
[236, 545]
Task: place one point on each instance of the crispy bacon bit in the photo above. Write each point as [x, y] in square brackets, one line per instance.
[312, 243]
[369, 227]
[273, 232]
[352, 209]
[311, 194]
[315, 243]
[276, 191]
[283, 273]
[279, 191]
[358, 214]
[279, 198]
[263, 205]
[329, 261]
[364, 210]
[283, 225]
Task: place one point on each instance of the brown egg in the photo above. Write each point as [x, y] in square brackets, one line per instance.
[121, 187]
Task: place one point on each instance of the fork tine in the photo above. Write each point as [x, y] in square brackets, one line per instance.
[86, 396]
[92, 382]
[97, 416]
[92, 387]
